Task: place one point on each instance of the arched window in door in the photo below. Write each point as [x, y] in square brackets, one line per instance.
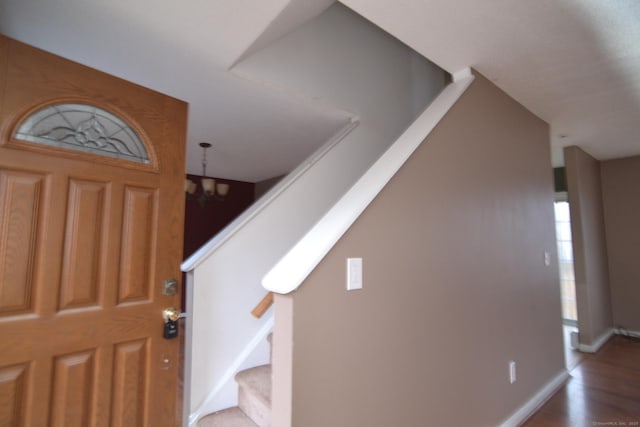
[86, 128]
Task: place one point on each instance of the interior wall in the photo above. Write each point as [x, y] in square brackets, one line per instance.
[343, 61]
[593, 295]
[262, 187]
[349, 63]
[202, 222]
[455, 284]
[621, 199]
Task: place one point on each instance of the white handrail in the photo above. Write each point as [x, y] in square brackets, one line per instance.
[237, 224]
[296, 265]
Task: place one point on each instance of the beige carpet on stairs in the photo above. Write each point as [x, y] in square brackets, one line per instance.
[254, 401]
[232, 417]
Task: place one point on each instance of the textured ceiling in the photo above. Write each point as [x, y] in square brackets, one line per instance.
[574, 63]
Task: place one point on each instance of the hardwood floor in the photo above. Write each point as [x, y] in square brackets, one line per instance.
[604, 390]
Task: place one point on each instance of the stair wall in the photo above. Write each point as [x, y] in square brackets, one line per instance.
[225, 275]
[454, 286]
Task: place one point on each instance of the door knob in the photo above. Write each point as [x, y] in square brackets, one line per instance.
[170, 314]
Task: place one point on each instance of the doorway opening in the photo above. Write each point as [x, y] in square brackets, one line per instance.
[567, 279]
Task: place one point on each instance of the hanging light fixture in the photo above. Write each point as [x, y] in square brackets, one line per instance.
[209, 189]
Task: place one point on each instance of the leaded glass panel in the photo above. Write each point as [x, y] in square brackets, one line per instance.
[86, 128]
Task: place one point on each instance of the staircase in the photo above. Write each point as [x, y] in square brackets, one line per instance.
[254, 401]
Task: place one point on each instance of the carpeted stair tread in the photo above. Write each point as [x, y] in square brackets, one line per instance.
[254, 394]
[257, 381]
[232, 417]
[254, 401]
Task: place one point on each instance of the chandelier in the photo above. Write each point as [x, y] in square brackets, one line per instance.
[208, 189]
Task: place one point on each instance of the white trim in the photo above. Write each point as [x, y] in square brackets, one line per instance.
[539, 399]
[592, 348]
[294, 267]
[236, 225]
[232, 370]
[463, 74]
[627, 333]
[188, 341]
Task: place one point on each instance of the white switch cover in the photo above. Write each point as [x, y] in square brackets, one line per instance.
[354, 273]
[512, 371]
[547, 259]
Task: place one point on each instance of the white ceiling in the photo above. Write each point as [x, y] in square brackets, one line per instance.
[574, 63]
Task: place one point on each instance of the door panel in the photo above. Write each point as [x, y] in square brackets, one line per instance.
[73, 386]
[20, 195]
[84, 233]
[13, 403]
[129, 383]
[137, 244]
[85, 244]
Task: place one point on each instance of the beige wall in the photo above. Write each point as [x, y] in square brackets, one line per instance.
[454, 284]
[589, 245]
[621, 198]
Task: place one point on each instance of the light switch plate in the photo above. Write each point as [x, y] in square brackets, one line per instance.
[512, 371]
[354, 273]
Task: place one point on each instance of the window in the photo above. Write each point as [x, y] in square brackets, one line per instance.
[86, 128]
[565, 261]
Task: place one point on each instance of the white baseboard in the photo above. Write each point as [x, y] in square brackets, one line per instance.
[602, 339]
[626, 332]
[539, 399]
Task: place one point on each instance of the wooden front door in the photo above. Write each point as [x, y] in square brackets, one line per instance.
[86, 241]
